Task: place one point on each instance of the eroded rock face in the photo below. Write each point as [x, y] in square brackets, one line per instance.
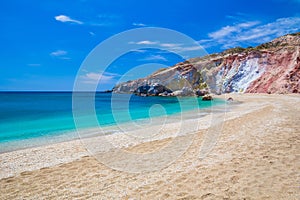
[185, 91]
[273, 67]
[207, 98]
[152, 90]
[201, 93]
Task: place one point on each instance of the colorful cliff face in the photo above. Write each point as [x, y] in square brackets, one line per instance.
[273, 67]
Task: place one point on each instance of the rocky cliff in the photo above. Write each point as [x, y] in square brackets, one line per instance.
[272, 67]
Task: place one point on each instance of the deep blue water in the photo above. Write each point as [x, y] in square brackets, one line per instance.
[27, 115]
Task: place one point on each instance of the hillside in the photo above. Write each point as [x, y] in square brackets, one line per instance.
[272, 67]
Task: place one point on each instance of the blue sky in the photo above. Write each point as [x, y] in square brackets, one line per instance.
[44, 42]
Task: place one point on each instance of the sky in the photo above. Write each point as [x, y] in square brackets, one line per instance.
[44, 43]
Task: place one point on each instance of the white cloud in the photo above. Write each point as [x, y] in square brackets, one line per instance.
[155, 58]
[180, 47]
[61, 54]
[189, 48]
[64, 18]
[147, 42]
[139, 50]
[98, 21]
[58, 53]
[252, 32]
[95, 78]
[176, 47]
[139, 24]
[227, 30]
[170, 45]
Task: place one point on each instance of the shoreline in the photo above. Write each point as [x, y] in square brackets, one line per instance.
[272, 109]
[79, 144]
[77, 140]
[76, 146]
[71, 135]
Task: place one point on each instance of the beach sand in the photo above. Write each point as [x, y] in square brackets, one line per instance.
[254, 155]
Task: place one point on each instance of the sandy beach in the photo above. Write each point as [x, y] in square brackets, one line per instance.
[255, 155]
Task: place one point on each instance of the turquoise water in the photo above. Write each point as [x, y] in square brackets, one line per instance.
[26, 116]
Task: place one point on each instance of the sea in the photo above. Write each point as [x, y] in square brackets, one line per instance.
[29, 119]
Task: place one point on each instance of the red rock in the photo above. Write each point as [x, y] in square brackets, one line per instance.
[273, 67]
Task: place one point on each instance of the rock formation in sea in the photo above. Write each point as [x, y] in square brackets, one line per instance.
[272, 67]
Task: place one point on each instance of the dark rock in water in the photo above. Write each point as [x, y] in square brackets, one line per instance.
[230, 99]
[143, 89]
[165, 94]
[157, 89]
[153, 90]
[201, 93]
[207, 98]
[143, 95]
